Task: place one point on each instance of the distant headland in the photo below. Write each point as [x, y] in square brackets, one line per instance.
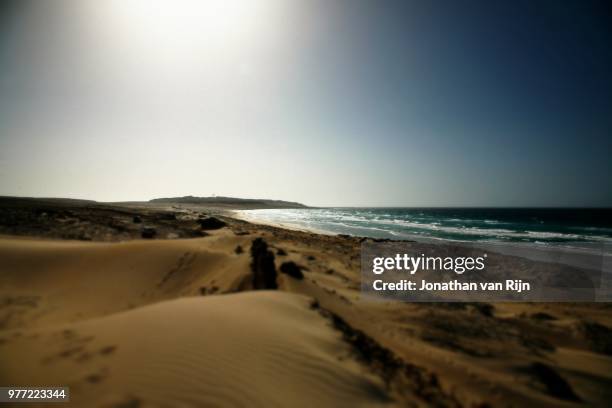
[230, 202]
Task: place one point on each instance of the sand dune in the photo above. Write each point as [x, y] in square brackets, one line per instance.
[92, 316]
[250, 349]
[174, 322]
[76, 280]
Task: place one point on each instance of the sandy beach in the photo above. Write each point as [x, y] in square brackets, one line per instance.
[270, 203]
[180, 320]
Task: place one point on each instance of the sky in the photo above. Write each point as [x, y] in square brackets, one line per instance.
[324, 102]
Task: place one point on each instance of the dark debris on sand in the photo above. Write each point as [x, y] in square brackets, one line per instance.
[262, 265]
[551, 380]
[399, 376]
[91, 221]
[211, 223]
[148, 232]
[598, 336]
[292, 269]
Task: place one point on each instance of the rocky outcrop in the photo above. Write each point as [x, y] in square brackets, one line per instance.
[211, 223]
[292, 269]
[262, 265]
[148, 232]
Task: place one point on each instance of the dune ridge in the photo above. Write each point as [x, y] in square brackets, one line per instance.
[120, 321]
[249, 349]
[176, 322]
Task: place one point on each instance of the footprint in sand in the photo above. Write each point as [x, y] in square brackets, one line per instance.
[96, 377]
[74, 347]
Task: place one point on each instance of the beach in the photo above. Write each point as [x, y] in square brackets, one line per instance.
[269, 203]
[162, 305]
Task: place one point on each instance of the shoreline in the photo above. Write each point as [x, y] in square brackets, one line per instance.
[571, 256]
[93, 301]
[240, 215]
[461, 227]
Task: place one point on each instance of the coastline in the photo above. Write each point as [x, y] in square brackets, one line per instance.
[75, 279]
[571, 256]
[243, 216]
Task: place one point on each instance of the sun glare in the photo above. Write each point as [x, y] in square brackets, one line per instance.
[185, 22]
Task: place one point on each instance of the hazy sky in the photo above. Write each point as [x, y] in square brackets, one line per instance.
[352, 103]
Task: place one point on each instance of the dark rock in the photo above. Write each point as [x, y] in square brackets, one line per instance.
[552, 380]
[148, 232]
[262, 265]
[310, 258]
[599, 337]
[292, 269]
[211, 223]
[485, 309]
[238, 250]
[281, 252]
[397, 374]
[136, 219]
[542, 316]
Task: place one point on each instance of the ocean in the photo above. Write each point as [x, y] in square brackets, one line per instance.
[583, 229]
